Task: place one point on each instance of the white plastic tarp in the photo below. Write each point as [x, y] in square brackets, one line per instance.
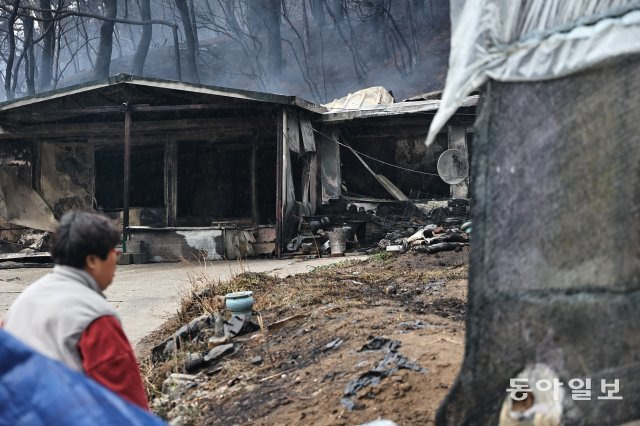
[532, 40]
[369, 98]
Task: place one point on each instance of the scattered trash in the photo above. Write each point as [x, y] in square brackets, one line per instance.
[440, 247]
[380, 422]
[193, 362]
[256, 360]
[412, 325]
[218, 352]
[238, 325]
[217, 341]
[176, 384]
[333, 344]
[286, 321]
[392, 362]
[378, 343]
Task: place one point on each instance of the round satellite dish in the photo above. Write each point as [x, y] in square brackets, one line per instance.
[453, 166]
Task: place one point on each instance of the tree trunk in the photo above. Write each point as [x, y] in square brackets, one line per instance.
[337, 9]
[305, 30]
[48, 45]
[29, 68]
[317, 11]
[192, 70]
[274, 43]
[263, 20]
[143, 45]
[419, 11]
[378, 10]
[12, 50]
[194, 27]
[105, 47]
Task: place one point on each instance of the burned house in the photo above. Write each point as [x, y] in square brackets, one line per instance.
[193, 171]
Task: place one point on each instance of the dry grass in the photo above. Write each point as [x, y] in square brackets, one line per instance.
[336, 287]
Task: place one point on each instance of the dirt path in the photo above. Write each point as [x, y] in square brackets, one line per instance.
[145, 296]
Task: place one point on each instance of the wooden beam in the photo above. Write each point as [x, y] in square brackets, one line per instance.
[84, 129]
[112, 109]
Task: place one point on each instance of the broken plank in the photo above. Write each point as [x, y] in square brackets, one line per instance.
[384, 182]
[392, 189]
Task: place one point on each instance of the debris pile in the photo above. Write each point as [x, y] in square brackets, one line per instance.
[429, 239]
[348, 226]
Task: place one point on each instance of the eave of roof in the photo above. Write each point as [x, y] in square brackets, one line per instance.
[163, 84]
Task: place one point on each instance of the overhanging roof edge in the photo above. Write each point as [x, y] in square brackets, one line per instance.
[165, 84]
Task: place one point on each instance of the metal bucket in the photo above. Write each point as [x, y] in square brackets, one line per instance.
[338, 241]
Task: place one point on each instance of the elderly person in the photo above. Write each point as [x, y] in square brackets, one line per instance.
[65, 316]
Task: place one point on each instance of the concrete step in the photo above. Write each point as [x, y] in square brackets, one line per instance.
[132, 258]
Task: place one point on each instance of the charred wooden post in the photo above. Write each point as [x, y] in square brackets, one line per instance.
[280, 176]
[254, 180]
[171, 180]
[127, 165]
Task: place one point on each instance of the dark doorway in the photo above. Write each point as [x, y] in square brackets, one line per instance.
[146, 179]
[214, 182]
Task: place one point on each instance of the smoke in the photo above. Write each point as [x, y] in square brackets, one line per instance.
[327, 47]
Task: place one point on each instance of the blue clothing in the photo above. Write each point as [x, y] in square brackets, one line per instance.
[36, 390]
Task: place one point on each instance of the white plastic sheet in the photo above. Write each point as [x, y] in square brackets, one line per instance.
[532, 40]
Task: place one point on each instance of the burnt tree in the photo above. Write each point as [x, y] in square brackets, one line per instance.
[143, 45]
[190, 37]
[105, 46]
[48, 45]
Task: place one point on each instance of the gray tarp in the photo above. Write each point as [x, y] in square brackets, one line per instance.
[532, 40]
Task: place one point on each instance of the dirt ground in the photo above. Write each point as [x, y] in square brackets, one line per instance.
[418, 300]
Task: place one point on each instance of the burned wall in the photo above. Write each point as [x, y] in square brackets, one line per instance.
[555, 254]
[17, 158]
[67, 176]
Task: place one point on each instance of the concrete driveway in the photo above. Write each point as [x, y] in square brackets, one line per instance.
[147, 295]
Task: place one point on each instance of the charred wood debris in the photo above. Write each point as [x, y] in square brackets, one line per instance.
[348, 228]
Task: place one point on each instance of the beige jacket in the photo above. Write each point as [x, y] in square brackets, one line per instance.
[51, 314]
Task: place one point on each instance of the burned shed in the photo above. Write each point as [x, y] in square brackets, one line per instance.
[193, 171]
